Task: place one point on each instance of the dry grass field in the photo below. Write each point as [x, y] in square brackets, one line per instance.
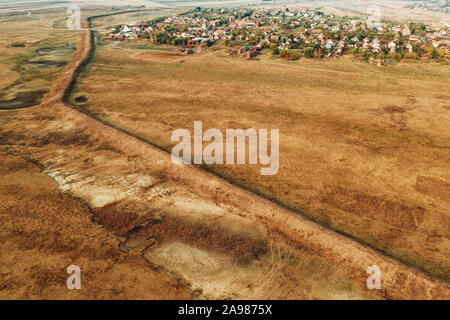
[31, 57]
[132, 17]
[43, 231]
[363, 177]
[363, 150]
[390, 10]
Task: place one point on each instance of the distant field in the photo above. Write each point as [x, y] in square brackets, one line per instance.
[131, 17]
[36, 48]
[363, 150]
[31, 57]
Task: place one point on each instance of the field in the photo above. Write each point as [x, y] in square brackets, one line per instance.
[43, 231]
[88, 180]
[31, 57]
[363, 150]
[389, 10]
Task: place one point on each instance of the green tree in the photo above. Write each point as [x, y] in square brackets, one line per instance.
[308, 52]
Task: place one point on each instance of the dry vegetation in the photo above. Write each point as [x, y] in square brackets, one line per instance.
[357, 142]
[363, 151]
[43, 231]
[31, 57]
[392, 10]
[215, 239]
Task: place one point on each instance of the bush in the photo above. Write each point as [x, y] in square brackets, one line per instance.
[366, 53]
[308, 52]
[179, 42]
[144, 35]
[291, 54]
[410, 55]
[395, 56]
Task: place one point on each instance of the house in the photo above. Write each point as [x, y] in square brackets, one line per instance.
[413, 38]
[406, 32]
[441, 33]
[218, 34]
[409, 47]
[376, 47]
[392, 46]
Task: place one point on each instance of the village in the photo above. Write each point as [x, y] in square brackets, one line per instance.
[290, 34]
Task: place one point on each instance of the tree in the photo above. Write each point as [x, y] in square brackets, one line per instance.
[160, 37]
[432, 54]
[179, 42]
[308, 52]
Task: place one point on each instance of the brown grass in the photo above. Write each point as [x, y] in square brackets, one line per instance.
[44, 231]
[354, 137]
[238, 246]
[120, 222]
[331, 249]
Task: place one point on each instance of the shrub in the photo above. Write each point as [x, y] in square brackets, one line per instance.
[308, 52]
[410, 55]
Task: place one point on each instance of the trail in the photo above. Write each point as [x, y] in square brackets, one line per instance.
[186, 184]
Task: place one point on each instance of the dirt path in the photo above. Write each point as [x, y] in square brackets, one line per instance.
[222, 240]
